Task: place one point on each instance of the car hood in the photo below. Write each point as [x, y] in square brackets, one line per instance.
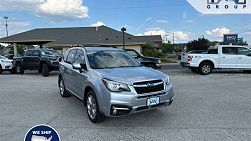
[6, 60]
[131, 74]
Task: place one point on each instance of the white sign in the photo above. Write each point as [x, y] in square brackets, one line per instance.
[222, 6]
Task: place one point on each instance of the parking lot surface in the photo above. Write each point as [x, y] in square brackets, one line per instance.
[213, 107]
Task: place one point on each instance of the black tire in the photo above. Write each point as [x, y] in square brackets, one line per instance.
[194, 70]
[205, 68]
[97, 116]
[19, 69]
[62, 89]
[1, 70]
[45, 70]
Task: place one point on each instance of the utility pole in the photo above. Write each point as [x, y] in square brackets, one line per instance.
[123, 29]
[6, 25]
[173, 39]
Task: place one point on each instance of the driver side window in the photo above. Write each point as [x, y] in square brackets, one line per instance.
[80, 57]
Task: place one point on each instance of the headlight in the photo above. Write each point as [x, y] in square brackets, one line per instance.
[6, 61]
[115, 86]
[167, 80]
[159, 61]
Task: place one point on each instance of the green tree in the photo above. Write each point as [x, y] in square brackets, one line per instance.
[167, 48]
[149, 50]
[200, 44]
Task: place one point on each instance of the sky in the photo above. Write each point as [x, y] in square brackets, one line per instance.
[140, 17]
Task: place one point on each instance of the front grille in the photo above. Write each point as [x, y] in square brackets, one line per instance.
[149, 86]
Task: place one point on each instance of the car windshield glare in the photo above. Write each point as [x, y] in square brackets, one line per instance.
[106, 59]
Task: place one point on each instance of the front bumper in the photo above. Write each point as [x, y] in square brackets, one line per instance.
[54, 65]
[126, 104]
[6, 67]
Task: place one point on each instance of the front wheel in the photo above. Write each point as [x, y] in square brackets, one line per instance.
[92, 108]
[19, 69]
[45, 70]
[205, 68]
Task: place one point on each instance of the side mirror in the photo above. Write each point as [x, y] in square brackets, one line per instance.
[249, 55]
[79, 67]
[76, 66]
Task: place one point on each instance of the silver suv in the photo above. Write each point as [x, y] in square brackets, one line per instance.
[111, 82]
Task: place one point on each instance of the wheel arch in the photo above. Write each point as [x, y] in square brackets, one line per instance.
[208, 61]
[87, 89]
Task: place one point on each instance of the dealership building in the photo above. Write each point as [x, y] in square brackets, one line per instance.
[64, 38]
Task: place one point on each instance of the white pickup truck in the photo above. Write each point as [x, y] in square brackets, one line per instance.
[219, 57]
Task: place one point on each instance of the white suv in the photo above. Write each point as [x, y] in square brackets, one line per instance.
[5, 64]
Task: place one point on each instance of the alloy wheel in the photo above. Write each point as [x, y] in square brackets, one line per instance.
[91, 107]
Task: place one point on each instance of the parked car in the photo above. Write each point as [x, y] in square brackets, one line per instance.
[5, 64]
[36, 59]
[220, 57]
[144, 60]
[9, 56]
[111, 82]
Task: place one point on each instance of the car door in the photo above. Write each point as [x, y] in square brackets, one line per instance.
[228, 57]
[35, 59]
[244, 58]
[27, 59]
[79, 78]
[68, 70]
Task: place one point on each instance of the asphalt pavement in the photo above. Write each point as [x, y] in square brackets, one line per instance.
[211, 108]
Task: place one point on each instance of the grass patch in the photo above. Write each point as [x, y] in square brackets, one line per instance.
[167, 60]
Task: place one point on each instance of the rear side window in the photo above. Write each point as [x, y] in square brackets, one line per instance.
[28, 53]
[229, 50]
[71, 56]
[80, 57]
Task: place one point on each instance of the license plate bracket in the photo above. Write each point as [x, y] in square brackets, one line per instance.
[152, 101]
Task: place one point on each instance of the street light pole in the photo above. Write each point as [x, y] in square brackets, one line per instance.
[6, 25]
[123, 29]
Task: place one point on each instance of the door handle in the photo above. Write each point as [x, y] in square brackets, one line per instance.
[223, 57]
[240, 58]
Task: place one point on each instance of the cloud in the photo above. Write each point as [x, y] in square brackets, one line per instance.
[179, 36]
[14, 26]
[143, 24]
[63, 9]
[51, 9]
[98, 23]
[218, 32]
[20, 4]
[162, 21]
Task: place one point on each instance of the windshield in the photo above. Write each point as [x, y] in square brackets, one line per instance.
[106, 59]
[46, 53]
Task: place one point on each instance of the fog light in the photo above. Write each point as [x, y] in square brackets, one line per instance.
[114, 112]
